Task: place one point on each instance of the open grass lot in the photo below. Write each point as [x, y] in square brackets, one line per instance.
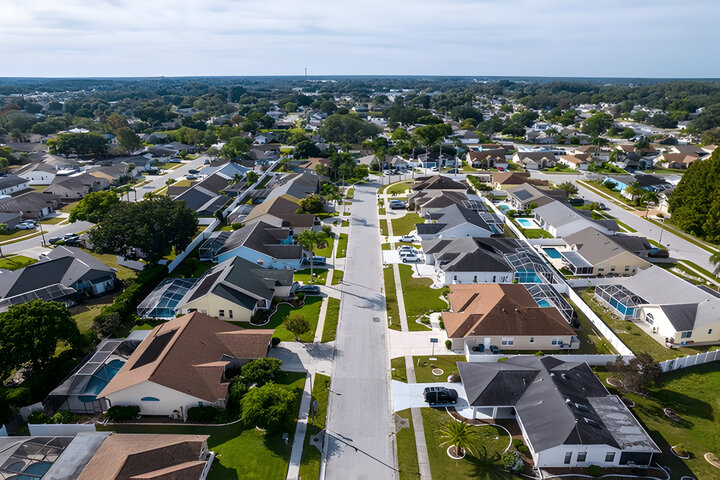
[123, 273]
[326, 251]
[16, 262]
[406, 449]
[397, 188]
[406, 224]
[319, 276]
[342, 245]
[68, 208]
[18, 234]
[493, 439]
[331, 320]
[419, 298]
[311, 456]
[85, 313]
[241, 452]
[311, 310]
[337, 276]
[536, 233]
[393, 311]
[694, 394]
[53, 221]
[398, 369]
[424, 366]
[591, 341]
[633, 336]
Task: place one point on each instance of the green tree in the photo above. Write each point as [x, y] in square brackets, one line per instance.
[347, 128]
[153, 226]
[627, 133]
[715, 260]
[128, 139]
[251, 177]
[270, 407]
[312, 204]
[94, 206]
[635, 192]
[81, 144]
[235, 148]
[458, 434]
[569, 187]
[306, 149]
[297, 324]
[31, 332]
[310, 240]
[115, 122]
[261, 371]
[597, 124]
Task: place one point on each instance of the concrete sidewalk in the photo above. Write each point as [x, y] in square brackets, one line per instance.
[300, 429]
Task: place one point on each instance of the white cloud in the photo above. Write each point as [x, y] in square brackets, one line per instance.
[451, 37]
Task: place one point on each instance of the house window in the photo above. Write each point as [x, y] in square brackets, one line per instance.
[149, 399]
[493, 279]
[230, 314]
[627, 268]
[612, 268]
[601, 269]
[532, 339]
[568, 457]
[221, 313]
[557, 341]
[581, 456]
[507, 341]
[474, 278]
[709, 331]
[650, 319]
[609, 457]
[686, 334]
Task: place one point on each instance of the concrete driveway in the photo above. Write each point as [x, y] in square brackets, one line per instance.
[410, 395]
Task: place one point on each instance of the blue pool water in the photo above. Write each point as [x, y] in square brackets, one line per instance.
[525, 222]
[552, 253]
[504, 208]
[101, 378]
[543, 303]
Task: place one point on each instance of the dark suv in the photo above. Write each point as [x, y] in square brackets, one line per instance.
[435, 395]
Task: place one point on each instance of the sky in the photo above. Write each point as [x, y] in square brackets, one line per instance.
[576, 38]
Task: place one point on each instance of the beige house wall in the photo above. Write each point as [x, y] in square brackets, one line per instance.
[211, 304]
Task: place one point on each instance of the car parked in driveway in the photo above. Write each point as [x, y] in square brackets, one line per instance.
[408, 257]
[407, 238]
[397, 204]
[408, 248]
[658, 253]
[440, 395]
[26, 225]
[54, 240]
[315, 260]
[308, 289]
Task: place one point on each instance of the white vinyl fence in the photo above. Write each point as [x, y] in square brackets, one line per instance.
[691, 361]
[60, 429]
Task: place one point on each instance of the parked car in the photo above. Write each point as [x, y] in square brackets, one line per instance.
[397, 204]
[408, 248]
[192, 171]
[26, 225]
[308, 289]
[68, 236]
[658, 253]
[315, 260]
[191, 177]
[603, 206]
[55, 240]
[408, 257]
[407, 238]
[435, 395]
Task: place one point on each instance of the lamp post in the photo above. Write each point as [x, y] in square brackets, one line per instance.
[661, 231]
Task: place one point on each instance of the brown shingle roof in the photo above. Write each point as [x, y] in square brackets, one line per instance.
[137, 456]
[185, 354]
[500, 309]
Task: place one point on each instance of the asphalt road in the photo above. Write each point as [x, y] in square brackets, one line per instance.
[50, 231]
[359, 442]
[158, 181]
[679, 248]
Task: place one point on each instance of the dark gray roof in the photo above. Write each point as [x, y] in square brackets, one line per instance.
[8, 181]
[450, 217]
[558, 403]
[298, 185]
[681, 316]
[264, 238]
[466, 254]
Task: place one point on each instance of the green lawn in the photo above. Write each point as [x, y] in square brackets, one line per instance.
[331, 320]
[319, 276]
[591, 341]
[398, 188]
[16, 262]
[419, 298]
[123, 273]
[406, 224]
[311, 310]
[337, 276]
[684, 235]
[633, 336]
[393, 312]
[700, 269]
[350, 193]
[311, 456]
[342, 245]
[536, 233]
[85, 314]
[694, 394]
[398, 369]
[345, 223]
[424, 366]
[383, 228]
[493, 439]
[241, 452]
[406, 449]
[326, 251]
[20, 233]
[68, 208]
[53, 221]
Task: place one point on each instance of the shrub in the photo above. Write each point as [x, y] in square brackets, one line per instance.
[37, 417]
[270, 407]
[202, 414]
[237, 390]
[19, 396]
[512, 461]
[237, 225]
[275, 341]
[539, 353]
[517, 442]
[261, 371]
[523, 449]
[120, 413]
[448, 344]
[502, 359]
[595, 470]
[328, 230]
[301, 296]
[63, 416]
[442, 324]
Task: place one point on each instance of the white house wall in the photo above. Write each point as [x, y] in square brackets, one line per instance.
[169, 399]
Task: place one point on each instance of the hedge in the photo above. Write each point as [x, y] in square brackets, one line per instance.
[119, 413]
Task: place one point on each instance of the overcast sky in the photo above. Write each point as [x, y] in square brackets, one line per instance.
[600, 38]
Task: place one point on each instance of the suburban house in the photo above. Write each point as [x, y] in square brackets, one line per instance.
[504, 316]
[566, 415]
[77, 186]
[264, 244]
[606, 254]
[535, 160]
[10, 219]
[30, 205]
[437, 182]
[10, 184]
[560, 219]
[37, 173]
[150, 456]
[470, 260]
[62, 274]
[231, 170]
[298, 185]
[522, 196]
[206, 196]
[667, 305]
[233, 290]
[456, 221]
[281, 212]
[181, 364]
[486, 159]
[576, 162]
[116, 174]
[429, 201]
[308, 165]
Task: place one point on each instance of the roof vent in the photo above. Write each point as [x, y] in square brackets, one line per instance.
[564, 376]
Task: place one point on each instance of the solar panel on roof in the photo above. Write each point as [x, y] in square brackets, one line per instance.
[523, 194]
[206, 285]
[153, 351]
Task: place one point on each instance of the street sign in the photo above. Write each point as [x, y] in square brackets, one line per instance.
[433, 340]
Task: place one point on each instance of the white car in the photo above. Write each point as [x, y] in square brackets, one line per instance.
[408, 248]
[407, 238]
[434, 169]
[407, 257]
[27, 225]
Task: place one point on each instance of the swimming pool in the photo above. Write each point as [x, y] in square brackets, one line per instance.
[543, 303]
[525, 222]
[99, 379]
[504, 208]
[552, 253]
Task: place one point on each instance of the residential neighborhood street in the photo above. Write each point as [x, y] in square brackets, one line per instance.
[359, 442]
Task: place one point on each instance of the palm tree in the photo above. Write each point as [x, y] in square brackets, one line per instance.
[635, 192]
[715, 260]
[458, 434]
[310, 239]
[487, 467]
